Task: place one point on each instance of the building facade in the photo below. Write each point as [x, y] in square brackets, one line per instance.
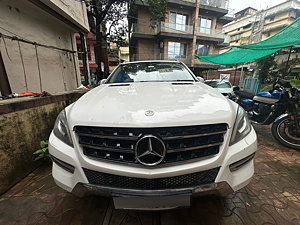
[191, 27]
[90, 42]
[38, 46]
[252, 26]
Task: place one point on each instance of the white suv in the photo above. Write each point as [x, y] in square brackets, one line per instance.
[151, 136]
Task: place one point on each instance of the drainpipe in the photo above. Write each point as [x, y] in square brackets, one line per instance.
[4, 82]
[195, 32]
[84, 60]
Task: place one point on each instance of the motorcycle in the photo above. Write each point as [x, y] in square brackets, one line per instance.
[279, 106]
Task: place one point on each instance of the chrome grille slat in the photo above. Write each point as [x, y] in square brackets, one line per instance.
[194, 148]
[186, 143]
[107, 149]
[192, 136]
[115, 137]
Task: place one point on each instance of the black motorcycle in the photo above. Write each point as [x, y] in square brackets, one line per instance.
[279, 106]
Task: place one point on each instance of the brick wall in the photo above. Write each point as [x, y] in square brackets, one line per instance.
[234, 77]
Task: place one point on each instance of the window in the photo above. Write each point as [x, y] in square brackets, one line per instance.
[272, 18]
[176, 50]
[79, 50]
[204, 25]
[247, 26]
[202, 49]
[178, 21]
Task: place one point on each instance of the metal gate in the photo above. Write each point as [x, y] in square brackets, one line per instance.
[251, 84]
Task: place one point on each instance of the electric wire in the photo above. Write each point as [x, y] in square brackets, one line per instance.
[21, 39]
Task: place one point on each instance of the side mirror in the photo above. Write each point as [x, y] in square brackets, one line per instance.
[236, 88]
[200, 79]
[103, 81]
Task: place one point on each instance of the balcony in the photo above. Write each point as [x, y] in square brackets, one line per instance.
[175, 28]
[212, 33]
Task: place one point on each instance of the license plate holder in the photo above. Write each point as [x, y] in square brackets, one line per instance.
[151, 202]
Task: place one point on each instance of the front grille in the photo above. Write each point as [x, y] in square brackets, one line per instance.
[182, 143]
[183, 181]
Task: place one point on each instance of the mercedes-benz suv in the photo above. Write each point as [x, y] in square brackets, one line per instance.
[152, 136]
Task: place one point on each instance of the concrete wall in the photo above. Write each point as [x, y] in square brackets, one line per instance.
[71, 10]
[24, 122]
[33, 68]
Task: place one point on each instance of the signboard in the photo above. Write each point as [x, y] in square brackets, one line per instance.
[224, 76]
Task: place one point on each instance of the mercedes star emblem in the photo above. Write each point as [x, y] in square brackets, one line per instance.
[149, 113]
[150, 150]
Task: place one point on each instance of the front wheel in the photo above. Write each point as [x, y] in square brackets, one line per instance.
[284, 131]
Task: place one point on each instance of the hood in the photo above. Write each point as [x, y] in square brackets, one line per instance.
[151, 104]
[224, 90]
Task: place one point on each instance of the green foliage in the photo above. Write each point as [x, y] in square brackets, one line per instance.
[284, 68]
[266, 88]
[264, 66]
[111, 14]
[157, 9]
[295, 83]
[42, 153]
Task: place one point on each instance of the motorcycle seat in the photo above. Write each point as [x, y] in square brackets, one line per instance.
[244, 94]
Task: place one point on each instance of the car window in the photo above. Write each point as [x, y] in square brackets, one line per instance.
[211, 83]
[223, 85]
[150, 72]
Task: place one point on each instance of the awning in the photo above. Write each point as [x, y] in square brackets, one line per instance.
[287, 37]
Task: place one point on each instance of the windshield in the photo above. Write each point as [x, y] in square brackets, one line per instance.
[218, 84]
[224, 85]
[150, 72]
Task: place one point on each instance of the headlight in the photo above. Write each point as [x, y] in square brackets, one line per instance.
[242, 126]
[61, 129]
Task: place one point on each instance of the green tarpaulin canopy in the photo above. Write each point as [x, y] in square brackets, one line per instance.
[287, 37]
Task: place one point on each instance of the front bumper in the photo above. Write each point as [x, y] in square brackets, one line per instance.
[227, 180]
[219, 189]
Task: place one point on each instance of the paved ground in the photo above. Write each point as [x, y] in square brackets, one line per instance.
[273, 197]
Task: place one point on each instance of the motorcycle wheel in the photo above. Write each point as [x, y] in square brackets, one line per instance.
[284, 132]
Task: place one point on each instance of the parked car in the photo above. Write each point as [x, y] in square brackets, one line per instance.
[223, 86]
[152, 136]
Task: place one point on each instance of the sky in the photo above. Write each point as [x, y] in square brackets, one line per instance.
[239, 5]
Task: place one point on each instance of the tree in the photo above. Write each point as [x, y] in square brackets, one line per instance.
[264, 66]
[110, 16]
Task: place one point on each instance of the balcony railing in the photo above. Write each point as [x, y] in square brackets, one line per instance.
[210, 33]
[176, 28]
[193, 1]
[160, 56]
